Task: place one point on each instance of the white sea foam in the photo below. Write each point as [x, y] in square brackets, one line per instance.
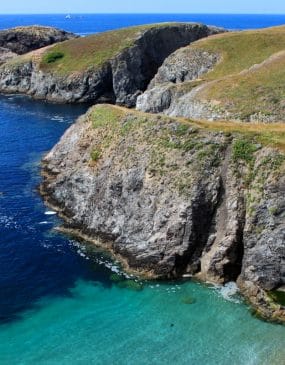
[50, 212]
[229, 292]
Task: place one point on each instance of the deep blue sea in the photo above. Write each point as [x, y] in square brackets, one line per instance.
[59, 303]
[85, 24]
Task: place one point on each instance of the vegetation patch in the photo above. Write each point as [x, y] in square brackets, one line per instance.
[272, 135]
[53, 56]
[243, 150]
[278, 297]
[249, 79]
[104, 115]
[95, 154]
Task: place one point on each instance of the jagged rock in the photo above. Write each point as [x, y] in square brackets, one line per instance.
[185, 64]
[137, 200]
[120, 79]
[21, 40]
[171, 90]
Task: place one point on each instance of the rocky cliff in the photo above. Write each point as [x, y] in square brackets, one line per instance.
[22, 40]
[232, 76]
[172, 197]
[116, 66]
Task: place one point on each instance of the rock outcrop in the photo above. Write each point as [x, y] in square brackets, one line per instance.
[120, 79]
[186, 64]
[177, 82]
[22, 40]
[172, 199]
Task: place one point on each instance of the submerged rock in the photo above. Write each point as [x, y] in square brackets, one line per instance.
[189, 300]
[130, 284]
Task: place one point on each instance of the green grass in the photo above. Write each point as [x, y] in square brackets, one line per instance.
[257, 91]
[239, 87]
[95, 154]
[243, 150]
[53, 57]
[81, 54]
[241, 50]
[104, 115]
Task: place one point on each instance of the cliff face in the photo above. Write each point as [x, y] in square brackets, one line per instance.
[175, 85]
[119, 78]
[171, 198]
[22, 40]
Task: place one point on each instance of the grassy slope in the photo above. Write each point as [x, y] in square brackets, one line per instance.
[272, 135]
[91, 52]
[260, 89]
[241, 50]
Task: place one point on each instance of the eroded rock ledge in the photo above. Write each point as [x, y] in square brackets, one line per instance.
[174, 199]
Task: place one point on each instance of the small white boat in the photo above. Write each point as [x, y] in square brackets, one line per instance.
[68, 16]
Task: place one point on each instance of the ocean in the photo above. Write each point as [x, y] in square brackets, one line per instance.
[85, 24]
[60, 302]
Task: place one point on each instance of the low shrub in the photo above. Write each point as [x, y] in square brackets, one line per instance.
[53, 56]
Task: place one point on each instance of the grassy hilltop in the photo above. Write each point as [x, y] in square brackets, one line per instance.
[250, 77]
[93, 51]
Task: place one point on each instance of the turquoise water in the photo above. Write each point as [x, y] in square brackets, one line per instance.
[99, 325]
[58, 303]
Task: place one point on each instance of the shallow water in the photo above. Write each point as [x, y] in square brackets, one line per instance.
[58, 304]
[96, 324]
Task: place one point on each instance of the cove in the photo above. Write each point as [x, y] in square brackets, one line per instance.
[59, 303]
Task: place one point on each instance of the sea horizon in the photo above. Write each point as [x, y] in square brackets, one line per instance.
[87, 23]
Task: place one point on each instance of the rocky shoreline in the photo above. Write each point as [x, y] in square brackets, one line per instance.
[169, 197]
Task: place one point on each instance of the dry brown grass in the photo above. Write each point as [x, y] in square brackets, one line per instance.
[272, 134]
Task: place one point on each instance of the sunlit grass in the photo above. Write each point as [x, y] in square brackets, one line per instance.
[93, 51]
[272, 134]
